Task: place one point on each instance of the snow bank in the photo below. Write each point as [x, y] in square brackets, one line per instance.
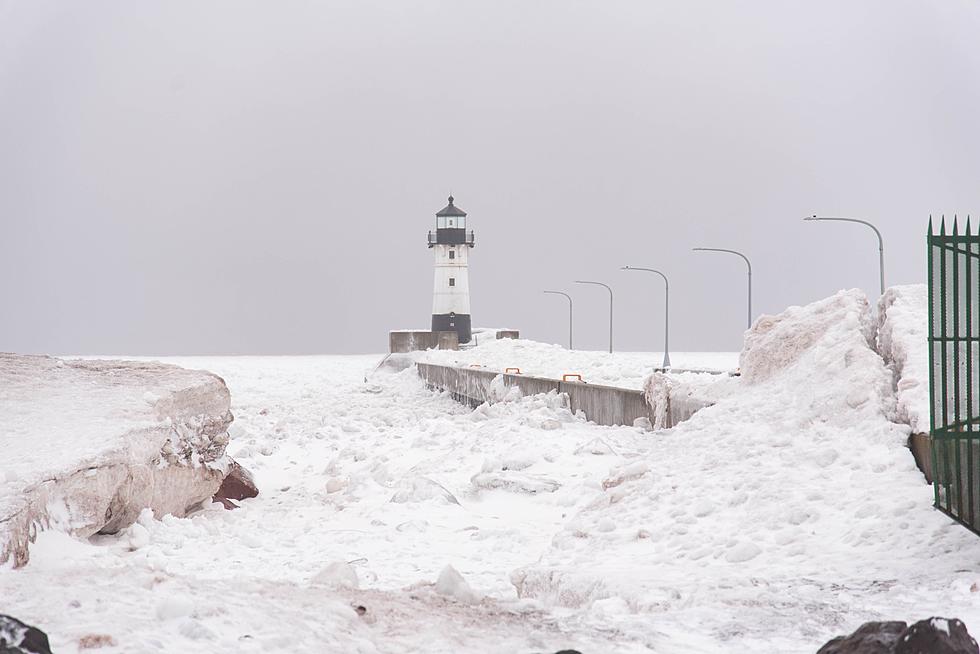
[800, 474]
[777, 344]
[87, 445]
[903, 333]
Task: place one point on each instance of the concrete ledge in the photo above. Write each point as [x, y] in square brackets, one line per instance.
[415, 341]
[921, 446]
[672, 401]
[603, 405]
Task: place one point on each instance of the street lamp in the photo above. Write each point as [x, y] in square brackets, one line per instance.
[666, 363]
[747, 263]
[881, 244]
[582, 281]
[569, 314]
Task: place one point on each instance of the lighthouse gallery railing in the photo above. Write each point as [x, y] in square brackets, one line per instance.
[450, 236]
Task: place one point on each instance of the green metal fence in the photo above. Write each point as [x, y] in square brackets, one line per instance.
[954, 361]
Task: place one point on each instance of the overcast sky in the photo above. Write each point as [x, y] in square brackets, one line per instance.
[259, 177]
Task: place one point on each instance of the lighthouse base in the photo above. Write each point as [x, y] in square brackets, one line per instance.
[453, 322]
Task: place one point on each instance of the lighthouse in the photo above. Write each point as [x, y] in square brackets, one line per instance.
[451, 242]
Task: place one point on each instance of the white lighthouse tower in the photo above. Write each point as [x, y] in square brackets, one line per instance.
[451, 242]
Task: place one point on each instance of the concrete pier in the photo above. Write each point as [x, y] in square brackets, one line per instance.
[415, 341]
[603, 405]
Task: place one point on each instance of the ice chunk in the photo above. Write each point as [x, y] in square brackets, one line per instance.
[452, 584]
[422, 489]
[339, 574]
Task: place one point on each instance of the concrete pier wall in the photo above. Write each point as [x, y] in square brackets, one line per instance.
[414, 341]
[604, 405]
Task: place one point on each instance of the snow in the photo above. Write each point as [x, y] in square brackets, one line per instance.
[764, 503]
[786, 514]
[338, 574]
[483, 335]
[902, 334]
[623, 369]
[87, 444]
[451, 584]
[39, 395]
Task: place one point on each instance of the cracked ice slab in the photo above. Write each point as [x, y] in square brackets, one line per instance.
[85, 445]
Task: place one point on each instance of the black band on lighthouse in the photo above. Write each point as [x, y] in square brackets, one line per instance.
[459, 323]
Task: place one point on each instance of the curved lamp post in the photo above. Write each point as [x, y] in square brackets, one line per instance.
[881, 244]
[569, 314]
[666, 363]
[583, 281]
[747, 263]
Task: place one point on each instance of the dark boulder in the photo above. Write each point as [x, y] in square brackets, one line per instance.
[932, 636]
[237, 485]
[19, 638]
[870, 638]
[937, 636]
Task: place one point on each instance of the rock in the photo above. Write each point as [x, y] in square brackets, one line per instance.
[936, 636]
[87, 445]
[19, 638]
[96, 641]
[932, 636]
[870, 638]
[237, 485]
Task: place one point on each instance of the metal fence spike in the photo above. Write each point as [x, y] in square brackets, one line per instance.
[929, 233]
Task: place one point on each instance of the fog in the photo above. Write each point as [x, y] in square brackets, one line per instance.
[258, 178]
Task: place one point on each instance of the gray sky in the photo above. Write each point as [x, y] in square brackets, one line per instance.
[256, 177]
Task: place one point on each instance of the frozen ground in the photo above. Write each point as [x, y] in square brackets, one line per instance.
[330, 454]
[786, 514]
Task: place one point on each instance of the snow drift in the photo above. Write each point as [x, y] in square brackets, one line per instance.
[87, 445]
[903, 333]
[802, 471]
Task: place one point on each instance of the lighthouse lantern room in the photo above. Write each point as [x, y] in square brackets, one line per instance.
[451, 243]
